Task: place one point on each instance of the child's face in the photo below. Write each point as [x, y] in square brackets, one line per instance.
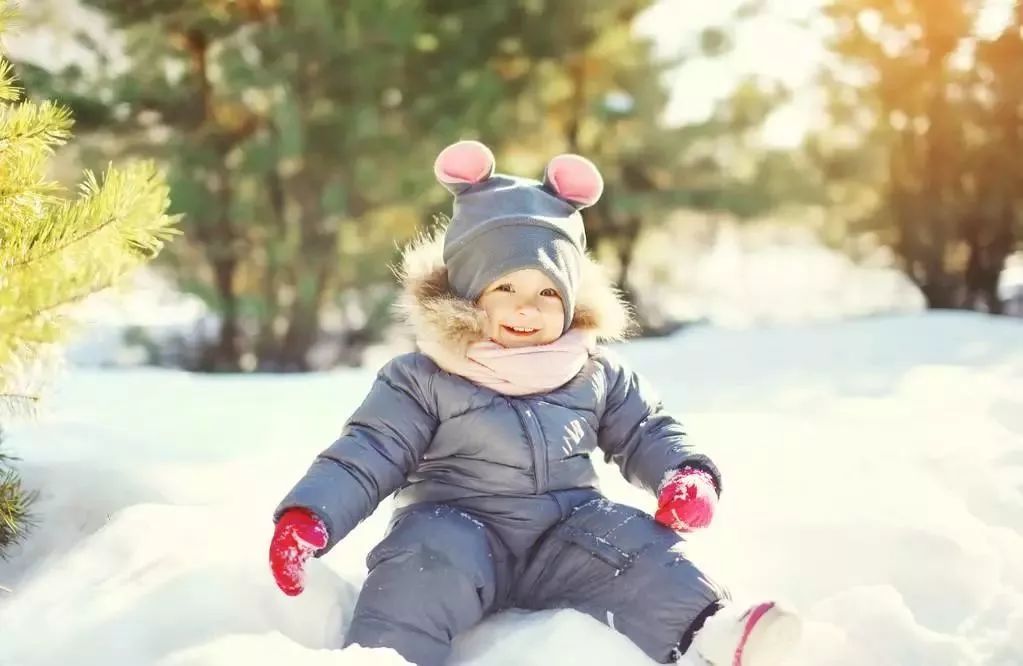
[523, 308]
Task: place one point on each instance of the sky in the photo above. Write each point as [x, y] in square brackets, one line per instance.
[785, 43]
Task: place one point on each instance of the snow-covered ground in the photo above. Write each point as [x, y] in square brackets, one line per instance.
[138, 321]
[732, 275]
[874, 478]
[1010, 285]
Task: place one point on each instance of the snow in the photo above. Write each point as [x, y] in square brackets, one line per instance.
[873, 478]
[126, 325]
[696, 267]
[1010, 282]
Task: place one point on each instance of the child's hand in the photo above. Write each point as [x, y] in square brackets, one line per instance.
[299, 534]
[686, 501]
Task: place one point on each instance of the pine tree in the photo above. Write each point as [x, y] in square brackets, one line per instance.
[54, 251]
[14, 503]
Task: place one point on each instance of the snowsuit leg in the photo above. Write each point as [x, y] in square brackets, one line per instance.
[433, 576]
[616, 564]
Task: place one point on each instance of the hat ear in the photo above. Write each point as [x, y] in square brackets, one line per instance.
[574, 179]
[463, 164]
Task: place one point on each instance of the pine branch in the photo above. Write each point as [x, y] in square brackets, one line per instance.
[34, 329]
[24, 185]
[17, 404]
[23, 372]
[69, 299]
[58, 248]
[72, 257]
[9, 91]
[15, 518]
[8, 15]
[20, 349]
[34, 125]
[131, 202]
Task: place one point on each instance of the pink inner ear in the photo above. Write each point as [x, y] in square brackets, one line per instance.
[575, 178]
[464, 162]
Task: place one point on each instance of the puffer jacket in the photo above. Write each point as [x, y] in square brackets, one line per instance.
[433, 436]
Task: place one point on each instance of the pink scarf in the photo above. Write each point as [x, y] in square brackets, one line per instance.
[516, 370]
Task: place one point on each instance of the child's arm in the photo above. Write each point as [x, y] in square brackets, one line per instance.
[380, 445]
[646, 443]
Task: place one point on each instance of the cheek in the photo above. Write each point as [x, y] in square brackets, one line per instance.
[554, 315]
[493, 309]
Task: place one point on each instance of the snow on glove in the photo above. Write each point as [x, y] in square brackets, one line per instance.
[686, 500]
[299, 534]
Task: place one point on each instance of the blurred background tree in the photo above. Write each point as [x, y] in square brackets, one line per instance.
[926, 137]
[291, 131]
[299, 138]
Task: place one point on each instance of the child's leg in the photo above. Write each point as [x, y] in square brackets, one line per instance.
[616, 564]
[433, 576]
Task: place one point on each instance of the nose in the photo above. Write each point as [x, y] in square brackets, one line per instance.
[527, 306]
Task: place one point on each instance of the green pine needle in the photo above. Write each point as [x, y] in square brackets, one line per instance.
[15, 502]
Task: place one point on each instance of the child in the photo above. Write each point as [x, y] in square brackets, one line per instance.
[486, 433]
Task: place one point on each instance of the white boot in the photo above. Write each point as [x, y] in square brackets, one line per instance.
[762, 635]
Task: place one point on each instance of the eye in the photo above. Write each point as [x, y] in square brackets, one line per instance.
[550, 293]
[504, 287]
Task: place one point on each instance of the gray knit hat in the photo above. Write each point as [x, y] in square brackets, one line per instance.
[502, 224]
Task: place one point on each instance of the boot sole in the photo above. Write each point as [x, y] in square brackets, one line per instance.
[771, 633]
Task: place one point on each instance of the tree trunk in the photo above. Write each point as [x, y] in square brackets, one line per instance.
[293, 353]
[626, 247]
[303, 320]
[987, 259]
[939, 231]
[225, 355]
[303, 332]
[941, 295]
[278, 280]
[218, 242]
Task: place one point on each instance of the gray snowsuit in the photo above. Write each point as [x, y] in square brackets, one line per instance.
[497, 500]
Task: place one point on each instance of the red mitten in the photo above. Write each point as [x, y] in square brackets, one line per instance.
[686, 501]
[299, 534]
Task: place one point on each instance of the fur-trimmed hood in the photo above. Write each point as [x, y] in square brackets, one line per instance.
[428, 305]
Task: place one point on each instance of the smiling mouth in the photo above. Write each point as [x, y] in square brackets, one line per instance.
[520, 331]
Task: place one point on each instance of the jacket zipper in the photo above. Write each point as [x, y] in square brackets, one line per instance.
[536, 445]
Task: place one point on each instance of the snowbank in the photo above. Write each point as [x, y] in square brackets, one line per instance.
[734, 275]
[873, 470]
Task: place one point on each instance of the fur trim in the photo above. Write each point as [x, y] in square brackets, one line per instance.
[434, 312]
